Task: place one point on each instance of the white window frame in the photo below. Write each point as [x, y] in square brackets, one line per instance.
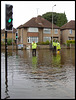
[2, 35]
[70, 31]
[31, 39]
[69, 38]
[46, 38]
[3, 40]
[55, 31]
[56, 38]
[47, 31]
[74, 38]
[33, 29]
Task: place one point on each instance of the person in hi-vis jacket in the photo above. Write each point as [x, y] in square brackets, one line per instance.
[34, 46]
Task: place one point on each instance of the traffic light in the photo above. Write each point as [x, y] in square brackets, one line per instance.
[9, 17]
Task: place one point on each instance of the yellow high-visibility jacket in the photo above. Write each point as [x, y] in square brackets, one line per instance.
[58, 46]
[34, 45]
[54, 43]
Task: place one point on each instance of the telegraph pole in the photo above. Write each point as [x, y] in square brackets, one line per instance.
[52, 25]
[37, 11]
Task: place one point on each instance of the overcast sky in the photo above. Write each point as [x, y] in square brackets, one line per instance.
[23, 11]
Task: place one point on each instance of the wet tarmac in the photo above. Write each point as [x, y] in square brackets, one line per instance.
[45, 76]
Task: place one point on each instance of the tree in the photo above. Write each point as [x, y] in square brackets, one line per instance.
[59, 19]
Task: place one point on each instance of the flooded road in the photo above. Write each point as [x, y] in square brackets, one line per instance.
[46, 76]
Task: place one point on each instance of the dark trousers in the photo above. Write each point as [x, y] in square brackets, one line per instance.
[34, 52]
[54, 48]
[58, 50]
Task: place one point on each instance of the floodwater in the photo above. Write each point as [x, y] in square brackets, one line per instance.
[44, 76]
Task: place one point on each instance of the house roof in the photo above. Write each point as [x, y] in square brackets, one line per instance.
[38, 22]
[69, 25]
[3, 31]
[20, 26]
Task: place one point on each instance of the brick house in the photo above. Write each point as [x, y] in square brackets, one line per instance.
[37, 29]
[68, 31]
[9, 34]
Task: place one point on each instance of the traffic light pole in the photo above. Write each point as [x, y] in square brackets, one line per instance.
[12, 41]
[8, 27]
[16, 44]
[5, 53]
[16, 41]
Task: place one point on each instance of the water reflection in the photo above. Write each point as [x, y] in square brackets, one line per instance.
[46, 74]
[34, 63]
[6, 86]
[56, 60]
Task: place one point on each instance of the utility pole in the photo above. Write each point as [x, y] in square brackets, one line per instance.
[52, 25]
[37, 11]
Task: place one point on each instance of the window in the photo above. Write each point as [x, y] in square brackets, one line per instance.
[2, 34]
[56, 31]
[70, 31]
[74, 38]
[46, 30]
[46, 38]
[69, 38]
[56, 38]
[31, 39]
[3, 40]
[30, 29]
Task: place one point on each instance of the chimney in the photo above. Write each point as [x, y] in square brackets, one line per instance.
[38, 19]
[39, 16]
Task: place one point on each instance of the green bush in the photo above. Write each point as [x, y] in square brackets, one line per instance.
[57, 41]
[43, 43]
[39, 43]
[70, 41]
[47, 42]
[68, 44]
[9, 41]
[73, 41]
[64, 44]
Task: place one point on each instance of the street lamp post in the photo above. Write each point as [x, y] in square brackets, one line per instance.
[52, 25]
